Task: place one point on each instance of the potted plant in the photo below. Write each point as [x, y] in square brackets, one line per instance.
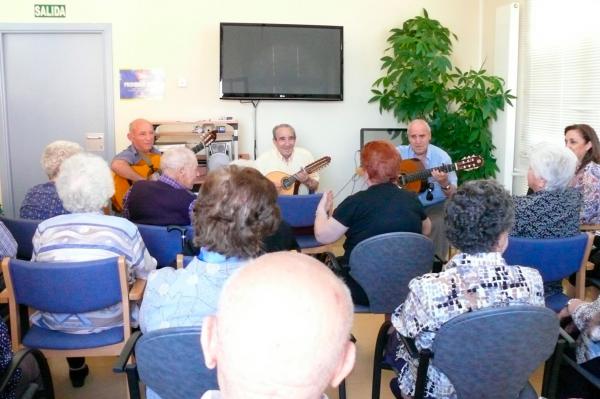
[420, 82]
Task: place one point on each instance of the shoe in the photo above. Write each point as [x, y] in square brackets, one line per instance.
[77, 376]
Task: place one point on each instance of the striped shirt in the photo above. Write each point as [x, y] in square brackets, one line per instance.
[90, 236]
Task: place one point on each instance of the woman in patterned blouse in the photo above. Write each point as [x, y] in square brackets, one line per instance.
[478, 219]
[41, 201]
[583, 141]
[552, 209]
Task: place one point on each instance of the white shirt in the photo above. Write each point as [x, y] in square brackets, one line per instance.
[272, 161]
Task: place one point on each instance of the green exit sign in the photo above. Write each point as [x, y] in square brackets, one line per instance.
[49, 11]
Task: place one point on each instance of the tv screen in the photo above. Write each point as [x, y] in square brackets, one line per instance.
[283, 62]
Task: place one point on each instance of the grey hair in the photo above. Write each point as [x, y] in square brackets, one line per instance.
[418, 121]
[555, 164]
[55, 153]
[477, 215]
[177, 158]
[283, 125]
[84, 183]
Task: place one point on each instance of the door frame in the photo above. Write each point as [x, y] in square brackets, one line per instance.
[105, 30]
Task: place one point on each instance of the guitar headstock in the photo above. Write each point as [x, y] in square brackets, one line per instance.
[208, 137]
[317, 165]
[470, 162]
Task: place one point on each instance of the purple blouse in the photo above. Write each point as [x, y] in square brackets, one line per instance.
[42, 202]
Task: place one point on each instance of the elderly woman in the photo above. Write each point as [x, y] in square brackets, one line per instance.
[586, 318]
[85, 186]
[478, 219]
[382, 208]
[166, 200]
[41, 201]
[583, 141]
[236, 209]
[552, 209]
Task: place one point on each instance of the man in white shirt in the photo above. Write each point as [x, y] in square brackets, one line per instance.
[282, 330]
[286, 157]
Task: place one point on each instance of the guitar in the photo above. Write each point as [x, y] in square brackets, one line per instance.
[413, 176]
[288, 185]
[149, 168]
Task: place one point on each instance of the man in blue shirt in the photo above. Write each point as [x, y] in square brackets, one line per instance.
[441, 184]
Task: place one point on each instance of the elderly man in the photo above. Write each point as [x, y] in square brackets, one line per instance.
[288, 158]
[166, 200]
[441, 185]
[137, 162]
[281, 331]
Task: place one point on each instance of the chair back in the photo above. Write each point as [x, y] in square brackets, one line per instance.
[554, 258]
[384, 265]
[299, 210]
[171, 363]
[491, 353]
[23, 231]
[66, 287]
[163, 242]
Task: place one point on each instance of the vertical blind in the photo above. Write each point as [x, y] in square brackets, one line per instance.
[559, 73]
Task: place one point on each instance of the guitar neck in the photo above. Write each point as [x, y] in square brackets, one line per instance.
[425, 173]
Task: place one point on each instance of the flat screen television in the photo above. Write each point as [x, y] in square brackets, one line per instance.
[281, 62]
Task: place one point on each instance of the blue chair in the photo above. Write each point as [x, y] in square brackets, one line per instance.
[299, 211]
[383, 266]
[23, 231]
[169, 361]
[164, 242]
[490, 353]
[67, 287]
[555, 259]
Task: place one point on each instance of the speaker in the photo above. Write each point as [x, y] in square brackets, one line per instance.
[219, 154]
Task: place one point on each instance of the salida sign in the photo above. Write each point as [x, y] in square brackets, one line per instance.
[49, 11]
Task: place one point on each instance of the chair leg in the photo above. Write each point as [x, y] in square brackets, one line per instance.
[342, 389]
[551, 371]
[380, 345]
[133, 381]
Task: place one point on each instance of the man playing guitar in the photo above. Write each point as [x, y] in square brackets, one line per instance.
[141, 153]
[441, 184]
[288, 158]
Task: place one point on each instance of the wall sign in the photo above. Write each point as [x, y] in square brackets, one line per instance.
[50, 11]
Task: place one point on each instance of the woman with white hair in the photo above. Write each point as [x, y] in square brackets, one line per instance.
[41, 201]
[85, 186]
[166, 200]
[552, 209]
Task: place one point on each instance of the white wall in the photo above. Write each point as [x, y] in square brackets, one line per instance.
[182, 37]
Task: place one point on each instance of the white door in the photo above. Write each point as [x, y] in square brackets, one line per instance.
[55, 84]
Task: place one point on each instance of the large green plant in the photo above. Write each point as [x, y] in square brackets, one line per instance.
[420, 82]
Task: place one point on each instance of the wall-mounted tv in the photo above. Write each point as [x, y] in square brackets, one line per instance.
[281, 62]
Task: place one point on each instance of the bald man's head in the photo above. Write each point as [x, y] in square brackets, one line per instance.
[281, 331]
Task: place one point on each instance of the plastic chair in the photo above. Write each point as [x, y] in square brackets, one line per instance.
[23, 231]
[490, 353]
[33, 390]
[169, 361]
[67, 287]
[555, 259]
[164, 242]
[383, 266]
[299, 211]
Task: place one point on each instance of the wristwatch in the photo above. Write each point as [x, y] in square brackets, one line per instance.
[447, 187]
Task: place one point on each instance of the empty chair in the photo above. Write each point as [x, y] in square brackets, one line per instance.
[67, 287]
[168, 361]
[554, 258]
[499, 357]
[299, 212]
[383, 266]
[23, 231]
[164, 242]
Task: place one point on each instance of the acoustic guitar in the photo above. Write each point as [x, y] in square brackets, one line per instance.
[288, 185]
[149, 168]
[413, 175]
